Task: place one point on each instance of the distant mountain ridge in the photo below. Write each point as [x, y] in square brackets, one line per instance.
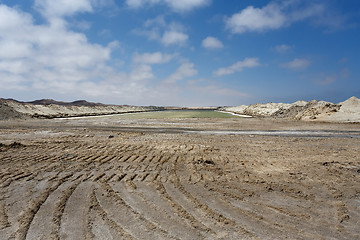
[61, 103]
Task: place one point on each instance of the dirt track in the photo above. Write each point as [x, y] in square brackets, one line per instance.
[95, 179]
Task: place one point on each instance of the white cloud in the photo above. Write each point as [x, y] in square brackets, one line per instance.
[152, 58]
[237, 67]
[158, 29]
[186, 5]
[308, 12]
[60, 8]
[114, 45]
[52, 61]
[141, 3]
[283, 48]
[158, 21]
[272, 16]
[328, 80]
[174, 37]
[141, 73]
[256, 19]
[296, 64]
[49, 60]
[175, 5]
[14, 49]
[135, 3]
[47, 46]
[185, 70]
[212, 43]
[82, 25]
[10, 19]
[55, 11]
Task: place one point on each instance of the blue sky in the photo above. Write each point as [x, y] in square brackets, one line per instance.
[180, 52]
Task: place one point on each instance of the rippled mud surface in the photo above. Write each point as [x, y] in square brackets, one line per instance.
[105, 178]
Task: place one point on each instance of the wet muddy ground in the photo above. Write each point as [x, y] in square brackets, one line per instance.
[107, 178]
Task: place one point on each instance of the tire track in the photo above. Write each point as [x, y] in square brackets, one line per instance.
[4, 221]
[28, 215]
[135, 223]
[165, 186]
[72, 210]
[104, 216]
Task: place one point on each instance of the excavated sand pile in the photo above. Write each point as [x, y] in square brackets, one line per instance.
[347, 111]
[237, 110]
[317, 110]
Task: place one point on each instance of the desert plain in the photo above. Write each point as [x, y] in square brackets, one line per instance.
[221, 177]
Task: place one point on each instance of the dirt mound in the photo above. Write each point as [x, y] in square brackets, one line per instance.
[238, 109]
[316, 110]
[7, 113]
[264, 110]
[347, 111]
[289, 113]
[352, 105]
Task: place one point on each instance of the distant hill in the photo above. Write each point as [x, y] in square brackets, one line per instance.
[52, 101]
[75, 103]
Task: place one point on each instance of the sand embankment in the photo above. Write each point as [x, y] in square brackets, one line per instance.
[347, 111]
[10, 109]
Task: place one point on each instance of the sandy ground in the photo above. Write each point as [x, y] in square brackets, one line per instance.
[105, 178]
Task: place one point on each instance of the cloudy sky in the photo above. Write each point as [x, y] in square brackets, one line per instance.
[180, 52]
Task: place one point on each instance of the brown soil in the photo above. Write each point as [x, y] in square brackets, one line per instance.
[154, 179]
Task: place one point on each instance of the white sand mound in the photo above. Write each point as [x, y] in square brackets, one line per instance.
[352, 105]
[265, 109]
[300, 103]
[237, 110]
[316, 110]
[347, 111]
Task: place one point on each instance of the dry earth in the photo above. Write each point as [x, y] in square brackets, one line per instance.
[103, 178]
